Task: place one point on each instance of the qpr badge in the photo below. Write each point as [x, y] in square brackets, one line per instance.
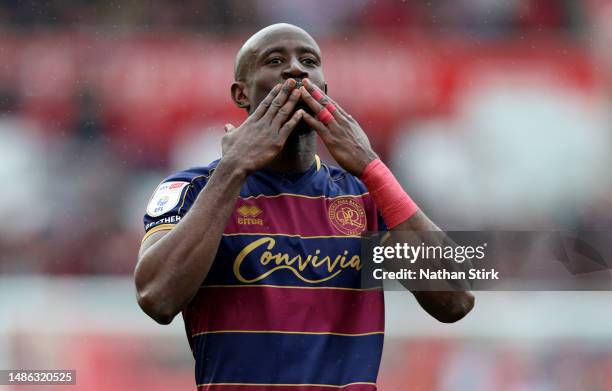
[166, 197]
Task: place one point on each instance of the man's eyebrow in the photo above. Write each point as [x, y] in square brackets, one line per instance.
[282, 49]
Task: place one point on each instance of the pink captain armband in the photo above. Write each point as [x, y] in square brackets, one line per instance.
[394, 204]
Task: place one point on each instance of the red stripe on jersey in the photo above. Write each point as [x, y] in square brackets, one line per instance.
[295, 215]
[284, 387]
[261, 308]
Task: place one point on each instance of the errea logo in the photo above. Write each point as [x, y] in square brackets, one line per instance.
[247, 215]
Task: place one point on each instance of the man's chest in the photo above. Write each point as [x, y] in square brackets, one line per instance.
[293, 240]
[296, 215]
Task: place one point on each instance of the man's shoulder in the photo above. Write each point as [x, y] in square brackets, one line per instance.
[174, 196]
[192, 174]
[344, 179]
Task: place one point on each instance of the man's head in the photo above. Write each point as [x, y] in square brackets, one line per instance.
[273, 55]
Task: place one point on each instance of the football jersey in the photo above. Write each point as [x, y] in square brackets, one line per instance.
[282, 306]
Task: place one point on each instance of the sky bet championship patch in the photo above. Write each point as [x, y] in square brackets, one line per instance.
[166, 196]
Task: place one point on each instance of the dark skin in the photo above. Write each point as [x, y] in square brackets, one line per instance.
[280, 135]
[280, 54]
[350, 147]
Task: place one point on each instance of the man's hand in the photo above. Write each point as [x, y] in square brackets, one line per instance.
[342, 135]
[256, 142]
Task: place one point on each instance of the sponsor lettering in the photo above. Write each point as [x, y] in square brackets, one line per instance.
[299, 264]
[165, 220]
[248, 215]
[250, 221]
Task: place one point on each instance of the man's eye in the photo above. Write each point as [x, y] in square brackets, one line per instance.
[273, 61]
[309, 61]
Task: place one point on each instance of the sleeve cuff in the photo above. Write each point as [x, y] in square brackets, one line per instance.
[162, 227]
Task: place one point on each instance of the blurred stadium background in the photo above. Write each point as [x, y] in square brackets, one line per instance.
[496, 116]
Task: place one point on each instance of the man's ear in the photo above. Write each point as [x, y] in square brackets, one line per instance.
[238, 95]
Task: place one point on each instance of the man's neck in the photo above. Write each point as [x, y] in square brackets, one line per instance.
[298, 153]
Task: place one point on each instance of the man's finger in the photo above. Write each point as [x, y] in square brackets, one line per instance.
[323, 99]
[321, 112]
[339, 108]
[284, 112]
[288, 127]
[280, 99]
[228, 128]
[310, 100]
[263, 106]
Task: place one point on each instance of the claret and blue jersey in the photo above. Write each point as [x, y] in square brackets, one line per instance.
[282, 303]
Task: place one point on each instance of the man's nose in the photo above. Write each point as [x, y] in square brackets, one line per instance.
[295, 69]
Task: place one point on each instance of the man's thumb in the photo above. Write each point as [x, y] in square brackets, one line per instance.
[228, 127]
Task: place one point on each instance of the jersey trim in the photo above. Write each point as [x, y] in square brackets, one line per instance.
[288, 287]
[288, 332]
[303, 196]
[288, 385]
[291, 235]
[162, 227]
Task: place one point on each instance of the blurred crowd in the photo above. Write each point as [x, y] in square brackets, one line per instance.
[228, 16]
[100, 100]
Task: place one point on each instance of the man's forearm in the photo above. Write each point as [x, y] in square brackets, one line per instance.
[445, 306]
[404, 217]
[171, 270]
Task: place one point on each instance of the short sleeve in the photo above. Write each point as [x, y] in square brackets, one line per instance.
[172, 199]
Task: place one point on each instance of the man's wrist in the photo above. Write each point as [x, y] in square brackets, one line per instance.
[370, 169]
[394, 204]
[232, 170]
[371, 156]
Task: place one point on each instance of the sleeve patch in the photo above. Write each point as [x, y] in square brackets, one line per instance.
[166, 197]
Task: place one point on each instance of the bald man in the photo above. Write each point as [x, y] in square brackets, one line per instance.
[260, 250]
